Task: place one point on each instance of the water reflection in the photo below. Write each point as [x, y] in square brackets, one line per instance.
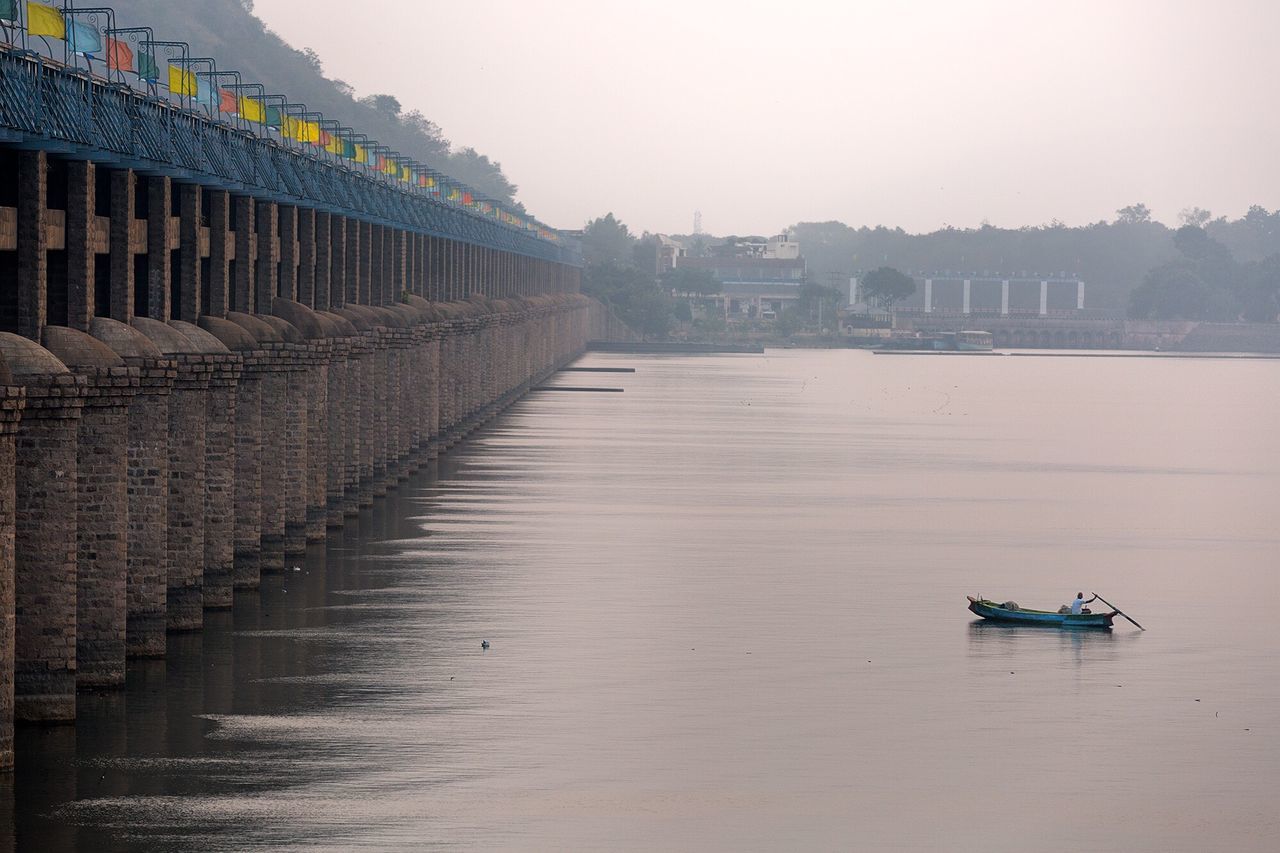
[725, 609]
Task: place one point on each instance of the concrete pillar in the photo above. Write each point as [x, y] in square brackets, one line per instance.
[102, 507]
[120, 244]
[1079, 295]
[219, 258]
[1004, 296]
[81, 183]
[33, 243]
[364, 296]
[188, 299]
[353, 262]
[381, 282]
[147, 486]
[323, 261]
[307, 256]
[44, 533]
[337, 261]
[399, 262]
[287, 286]
[246, 263]
[1044, 298]
[928, 295]
[12, 400]
[967, 289]
[158, 259]
[265, 279]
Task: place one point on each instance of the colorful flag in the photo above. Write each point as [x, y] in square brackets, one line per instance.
[274, 119]
[228, 102]
[84, 39]
[119, 55]
[206, 93]
[335, 144]
[300, 129]
[148, 68]
[9, 10]
[405, 174]
[361, 154]
[182, 82]
[348, 149]
[45, 20]
[252, 110]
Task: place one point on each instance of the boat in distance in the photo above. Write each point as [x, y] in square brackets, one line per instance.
[1000, 612]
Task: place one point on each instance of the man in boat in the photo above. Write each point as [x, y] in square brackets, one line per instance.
[1078, 606]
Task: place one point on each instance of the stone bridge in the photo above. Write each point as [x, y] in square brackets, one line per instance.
[218, 341]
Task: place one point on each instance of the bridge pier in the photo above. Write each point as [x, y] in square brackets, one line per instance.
[240, 373]
[12, 401]
[44, 671]
[102, 518]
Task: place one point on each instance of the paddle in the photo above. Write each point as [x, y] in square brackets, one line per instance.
[1118, 610]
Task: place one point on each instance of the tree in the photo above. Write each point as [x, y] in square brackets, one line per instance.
[1196, 217]
[887, 286]
[607, 240]
[1175, 291]
[1133, 214]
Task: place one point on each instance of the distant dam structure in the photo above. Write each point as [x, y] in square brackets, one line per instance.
[226, 324]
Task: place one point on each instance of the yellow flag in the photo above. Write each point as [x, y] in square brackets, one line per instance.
[45, 20]
[391, 168]
[362, 154]
[405, 174]
[252, 110]
[334, 145]
[181, 82]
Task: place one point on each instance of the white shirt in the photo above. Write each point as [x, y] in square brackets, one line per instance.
[1076, 605]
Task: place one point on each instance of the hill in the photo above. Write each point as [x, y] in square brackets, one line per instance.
[229, 31]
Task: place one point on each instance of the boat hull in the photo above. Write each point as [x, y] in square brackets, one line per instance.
[996, 613]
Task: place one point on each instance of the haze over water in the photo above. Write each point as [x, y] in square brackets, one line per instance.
[727, 612]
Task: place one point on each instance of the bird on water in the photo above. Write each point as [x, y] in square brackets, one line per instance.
[484, 644]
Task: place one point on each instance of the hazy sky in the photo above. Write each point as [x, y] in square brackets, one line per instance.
[899, 113]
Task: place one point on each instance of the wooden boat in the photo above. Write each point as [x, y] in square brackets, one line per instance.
[998, 613]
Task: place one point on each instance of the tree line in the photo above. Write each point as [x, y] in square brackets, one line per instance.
[1133, 266]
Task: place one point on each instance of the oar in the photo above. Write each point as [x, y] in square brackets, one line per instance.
[1118, 610]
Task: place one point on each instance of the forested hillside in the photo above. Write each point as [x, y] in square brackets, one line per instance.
[229, 31]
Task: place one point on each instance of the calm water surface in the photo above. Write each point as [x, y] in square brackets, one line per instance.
[726, 611]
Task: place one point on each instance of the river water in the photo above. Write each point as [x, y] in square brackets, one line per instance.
[726, 611]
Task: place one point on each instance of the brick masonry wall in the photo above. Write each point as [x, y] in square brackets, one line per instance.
[148, 492]
[102, 525]
[247, 498]
[220, 471]
[317, 472]
[188, 408]
[45, 550]
[275, 383]
[12, 400]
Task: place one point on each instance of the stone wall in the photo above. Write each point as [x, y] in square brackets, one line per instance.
[235, 378]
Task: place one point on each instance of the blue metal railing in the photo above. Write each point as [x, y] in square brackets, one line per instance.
[61, 109]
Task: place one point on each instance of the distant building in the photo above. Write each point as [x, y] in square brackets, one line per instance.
[758, 280]
[670, 254]
[994, 294]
